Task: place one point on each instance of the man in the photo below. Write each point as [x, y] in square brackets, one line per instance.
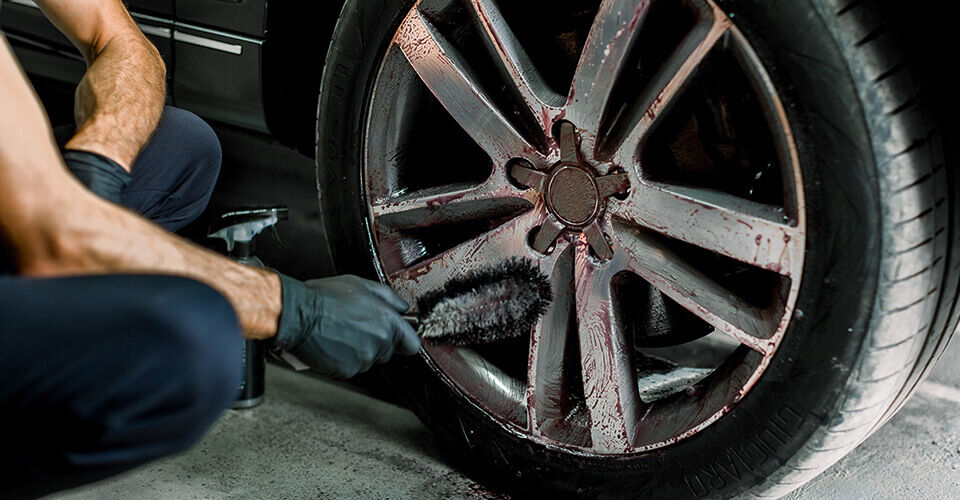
[119, 341]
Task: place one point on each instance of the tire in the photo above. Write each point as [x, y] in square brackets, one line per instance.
[879, 284]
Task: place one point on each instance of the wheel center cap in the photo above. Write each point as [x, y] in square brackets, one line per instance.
[572, 196]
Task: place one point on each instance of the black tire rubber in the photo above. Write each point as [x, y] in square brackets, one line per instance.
[880, 283]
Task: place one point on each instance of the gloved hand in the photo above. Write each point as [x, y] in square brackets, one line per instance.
[342, 326]
[105, 177]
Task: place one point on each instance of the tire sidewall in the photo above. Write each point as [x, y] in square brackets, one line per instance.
[807, 376]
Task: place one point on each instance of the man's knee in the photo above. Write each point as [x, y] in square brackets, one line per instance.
[175, 175]
[194, 137]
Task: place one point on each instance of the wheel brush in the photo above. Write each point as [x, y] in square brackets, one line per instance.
[497, 303]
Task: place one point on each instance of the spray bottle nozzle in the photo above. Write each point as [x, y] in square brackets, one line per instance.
[243, 225]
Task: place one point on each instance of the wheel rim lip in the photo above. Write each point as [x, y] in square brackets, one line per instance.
[775, 115]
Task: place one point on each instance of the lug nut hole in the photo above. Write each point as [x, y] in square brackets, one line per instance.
[532, 238]
[593, 253]
[557, 127]
[626, 193]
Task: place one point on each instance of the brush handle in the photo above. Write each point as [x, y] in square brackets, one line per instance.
[413, 319]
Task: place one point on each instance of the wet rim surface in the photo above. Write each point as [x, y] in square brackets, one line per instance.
[583, 249]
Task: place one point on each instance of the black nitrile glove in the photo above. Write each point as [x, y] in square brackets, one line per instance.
[342, 326]
[105, 177]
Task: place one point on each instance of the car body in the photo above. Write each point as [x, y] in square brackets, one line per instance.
[237, 62]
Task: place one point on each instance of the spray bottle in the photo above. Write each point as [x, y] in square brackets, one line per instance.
[238, 229]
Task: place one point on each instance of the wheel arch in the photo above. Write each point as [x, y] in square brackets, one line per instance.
[297, 38]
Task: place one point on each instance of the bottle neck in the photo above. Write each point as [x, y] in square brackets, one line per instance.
[242, 250]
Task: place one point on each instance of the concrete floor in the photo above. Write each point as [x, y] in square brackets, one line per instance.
[317, 439]
[311, 439]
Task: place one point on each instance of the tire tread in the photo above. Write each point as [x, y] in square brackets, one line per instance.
[917, 232]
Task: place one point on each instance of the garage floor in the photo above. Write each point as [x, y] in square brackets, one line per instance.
[316, 439]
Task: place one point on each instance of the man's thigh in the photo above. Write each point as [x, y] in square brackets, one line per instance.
[101, 374]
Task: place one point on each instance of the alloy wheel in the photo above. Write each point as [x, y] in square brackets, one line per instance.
[573, 181]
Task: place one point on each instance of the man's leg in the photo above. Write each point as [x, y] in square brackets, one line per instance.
[175, 174]
[102, 374]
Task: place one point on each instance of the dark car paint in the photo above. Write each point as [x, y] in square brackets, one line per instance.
[253, 64]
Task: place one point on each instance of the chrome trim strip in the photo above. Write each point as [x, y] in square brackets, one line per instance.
[28, 3]
[214, 32]
[207, 42]
[178, 35]
[154, 30]
[144, 17]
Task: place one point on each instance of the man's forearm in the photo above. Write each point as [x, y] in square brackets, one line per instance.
[90, 236]
[56, 227]
[120, 100]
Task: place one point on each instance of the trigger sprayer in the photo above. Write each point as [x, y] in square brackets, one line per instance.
[239, 229]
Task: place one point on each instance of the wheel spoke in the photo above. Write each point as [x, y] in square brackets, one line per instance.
[515, 64]
[499, 244]
[749, 232]
[669, 82]
[447, 204]
[601, 62]
[549, 404]
[675, 416]
[696, 292]
[449, 78]
[490, 386]
[609, 379]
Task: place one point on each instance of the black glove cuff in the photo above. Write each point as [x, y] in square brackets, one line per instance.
[292, 328]
[105, 177]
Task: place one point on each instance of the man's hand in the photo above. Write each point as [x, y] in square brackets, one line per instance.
[344, 325]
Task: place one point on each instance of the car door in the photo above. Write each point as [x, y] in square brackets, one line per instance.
[219, 47]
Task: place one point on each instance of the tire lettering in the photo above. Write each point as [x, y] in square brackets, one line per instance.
[340, 73]
[730, 467]
[752, 455]
[748, 456]
[695, 486]
[713, 477]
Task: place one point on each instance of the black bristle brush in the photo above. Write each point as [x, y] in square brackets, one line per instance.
[501, 302]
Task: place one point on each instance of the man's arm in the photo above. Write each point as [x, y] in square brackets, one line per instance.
[56, 227]
[120, 99]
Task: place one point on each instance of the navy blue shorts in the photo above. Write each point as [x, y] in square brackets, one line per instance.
[101, 374]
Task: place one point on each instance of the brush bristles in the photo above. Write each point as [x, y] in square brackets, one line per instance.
[494, 304]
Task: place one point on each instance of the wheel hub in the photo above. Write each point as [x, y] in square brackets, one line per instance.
[572, 196]
[573, 193]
